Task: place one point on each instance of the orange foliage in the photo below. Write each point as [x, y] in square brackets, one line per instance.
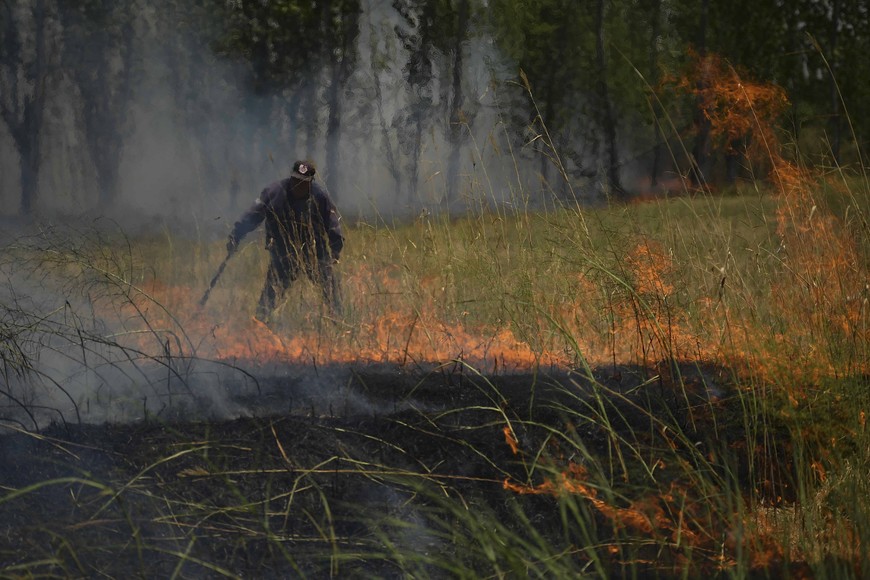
[735, 107]
[821, 291]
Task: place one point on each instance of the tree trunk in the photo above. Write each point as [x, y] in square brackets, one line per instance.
[455, 118]
[608, 120]
[702, 124]
[418, 116]
[387, 135]
[341, 72]
[655, 18]
[96, 41]
[836, 125]
[731, 165]
[333, 128]
[29, 145]
[291, 109]
[29, 165]
[309, 113]
[109, 167]
[547, 117]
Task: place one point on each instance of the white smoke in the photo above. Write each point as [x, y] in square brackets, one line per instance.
[201, 146]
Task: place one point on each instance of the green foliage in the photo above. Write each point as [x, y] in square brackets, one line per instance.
[594, 85]
[552, 42]
[286, 42]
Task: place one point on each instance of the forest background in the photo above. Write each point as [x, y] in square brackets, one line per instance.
[186, 109]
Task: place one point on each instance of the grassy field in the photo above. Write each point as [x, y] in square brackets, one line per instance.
[673, 387]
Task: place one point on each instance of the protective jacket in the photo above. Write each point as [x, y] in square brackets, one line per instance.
[297, 230]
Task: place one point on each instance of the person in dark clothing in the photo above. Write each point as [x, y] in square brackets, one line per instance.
[303, 234]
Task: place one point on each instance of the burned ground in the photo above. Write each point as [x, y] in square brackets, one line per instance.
[369, 481]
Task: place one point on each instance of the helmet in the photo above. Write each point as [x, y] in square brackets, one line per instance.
[304, 170]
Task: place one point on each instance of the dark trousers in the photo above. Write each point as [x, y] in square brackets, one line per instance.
[283, 271]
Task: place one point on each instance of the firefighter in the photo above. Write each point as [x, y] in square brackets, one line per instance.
[303, 235]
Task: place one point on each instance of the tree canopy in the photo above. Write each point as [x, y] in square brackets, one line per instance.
[413, 96]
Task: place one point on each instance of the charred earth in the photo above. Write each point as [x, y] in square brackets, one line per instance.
[368, 471]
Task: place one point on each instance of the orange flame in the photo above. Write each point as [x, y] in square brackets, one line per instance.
[646, 515]
[398, 337]
[510, 439]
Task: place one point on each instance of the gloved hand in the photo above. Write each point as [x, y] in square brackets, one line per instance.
[232, 245]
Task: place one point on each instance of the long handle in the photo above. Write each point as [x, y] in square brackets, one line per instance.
[214, 280]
